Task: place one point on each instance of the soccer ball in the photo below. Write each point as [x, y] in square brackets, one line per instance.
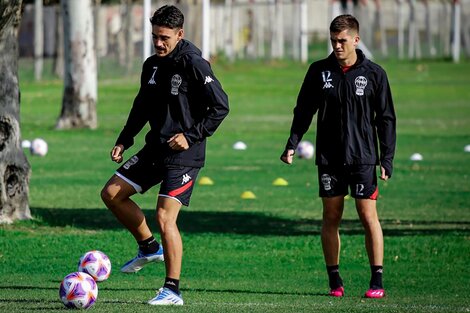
[26, 144]
[239, 145]
[96, 264]
[38, 147]
[305, 150]
[78, 290]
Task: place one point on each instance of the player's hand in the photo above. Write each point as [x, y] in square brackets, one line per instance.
[288, 156]
[383, 176]
[116, 153]
[178, 142]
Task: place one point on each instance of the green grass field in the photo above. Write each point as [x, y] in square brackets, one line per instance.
[251, 255]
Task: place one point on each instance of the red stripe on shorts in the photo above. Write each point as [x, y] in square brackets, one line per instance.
[375, 194]
[180, 190]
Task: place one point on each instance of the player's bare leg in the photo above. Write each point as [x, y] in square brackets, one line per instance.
[167, 214]
[116, 196]
[332, 214]
[331, 243]
[367, 211]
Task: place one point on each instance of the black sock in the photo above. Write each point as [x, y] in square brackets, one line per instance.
[173, 284]
[376, 277]
[148, 246]
[334, 279]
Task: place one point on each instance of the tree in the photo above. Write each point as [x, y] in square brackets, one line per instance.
[58, 62]
[38, 39]
[15, 170]
[128, 29]
[80, 78]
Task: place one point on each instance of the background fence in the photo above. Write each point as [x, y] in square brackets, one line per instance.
[272, 29]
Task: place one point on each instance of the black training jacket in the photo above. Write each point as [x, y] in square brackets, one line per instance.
[356, 117]
[178, 94]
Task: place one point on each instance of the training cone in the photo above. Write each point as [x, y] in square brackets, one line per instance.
[205, 181]
[280, 182]
[248, 195]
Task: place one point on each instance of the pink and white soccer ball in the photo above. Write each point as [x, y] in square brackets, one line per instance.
[38, 147]
[78, 290]
[305, 149]
[96, 264]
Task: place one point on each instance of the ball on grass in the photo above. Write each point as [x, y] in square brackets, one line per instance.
[38, 147]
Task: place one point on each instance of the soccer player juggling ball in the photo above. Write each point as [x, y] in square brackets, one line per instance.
[355, 133]
[184, 103]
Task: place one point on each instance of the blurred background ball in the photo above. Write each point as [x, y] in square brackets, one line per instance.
[416, 157]
[305, 150]
[38, 147]
[26, 144]
[239, 145]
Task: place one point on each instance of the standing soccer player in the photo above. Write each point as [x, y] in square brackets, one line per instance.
[356, 119]
[184, 103]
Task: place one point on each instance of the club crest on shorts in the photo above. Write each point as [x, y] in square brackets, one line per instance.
[361, 83]
[176, 81]
[326, 181]
[131, 162]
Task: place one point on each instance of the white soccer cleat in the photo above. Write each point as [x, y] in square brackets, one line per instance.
[136, 264]
[166, 296]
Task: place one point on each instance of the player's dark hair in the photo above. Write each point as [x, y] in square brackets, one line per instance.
[168, 16]
[344, 22]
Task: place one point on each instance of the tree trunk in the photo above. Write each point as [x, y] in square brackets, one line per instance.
[101, 32]
[428, 21]
[14, 167]
[80, 79]
[379, 27]
[401, 30]
[456, 15]
[58, 64]
[38, 39]
[277, 35]
[128, 28]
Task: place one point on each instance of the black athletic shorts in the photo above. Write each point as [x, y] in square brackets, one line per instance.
[335, 181]
[175, 181]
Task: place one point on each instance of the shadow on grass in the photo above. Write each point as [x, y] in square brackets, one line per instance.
[45, 304]
[242, 223]
[232, 291]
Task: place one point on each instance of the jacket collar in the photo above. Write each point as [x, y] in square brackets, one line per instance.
[361, 59]
[183, 47]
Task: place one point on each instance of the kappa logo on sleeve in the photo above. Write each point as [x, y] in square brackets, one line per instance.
[208, 80]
